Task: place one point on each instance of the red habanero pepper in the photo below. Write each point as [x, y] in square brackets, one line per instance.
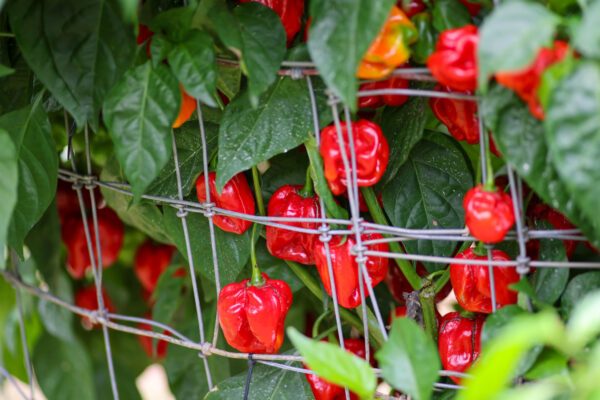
[488, 215]
[559, 221]
[345, 267]
[67, 201]
[151, 260]
[398, 285]
[323, 390]
[376, 101]
[252, 317]
[473, 8]
[290, 13]
[471, 283]
[144, 33]
[371, 150]
[86, 298]
[288, 201]
[236, 196]
[110, 229]
[526, 81]
[411, 7]
[390, 48]
[160, 350]
[454, 62]
[459, 341]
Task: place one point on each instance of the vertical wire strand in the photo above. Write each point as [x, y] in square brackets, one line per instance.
[182, 215]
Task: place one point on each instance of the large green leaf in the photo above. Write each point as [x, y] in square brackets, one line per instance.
[511, 36]
[449, 14]
[193, 61]
[341, 31]
[335, 365]
[139, 112]
[577, 288]
[427, 192]
[587, 33]
[78, 49]
[143, 215]
[572, 129]
[409, 360]
[582, 327]
[189, 153]
[520, 138]
[38, 168]
[9, 180]
[249, 135]
[233, 250]
[63, 369]
[167, 294]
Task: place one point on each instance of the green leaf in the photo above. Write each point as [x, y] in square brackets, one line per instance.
[552, 77]
[233, 250]
[249, 135]
[500, 358]
[160, 47]
[77, 49]
[9, 180]
[267, 383]
[427, 192]
[174, 22]
[511, 36]
[335, 365]
[550, 362]
[520, 138]
[549, 283]
[572, 128]
[189, 153]
[587, 34]
[280, 173]
[409, 360]
[263, 46]
[450, 14]
[167, 295]
[228, 80]
[403, 127]
[425, 45]
[38, 168]
[227, 26]
[139, 112]
[4, 71]
[69, 379]
[583, 326]
[129, 9]
[275, 267]
[193, 62]
[340, 34]
[44, 243]
[577, 288]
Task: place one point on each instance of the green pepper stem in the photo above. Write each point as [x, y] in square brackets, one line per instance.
[480, 250]
[307, 190]
[426, 298]
[257, 278]
[442, 280]
[257, 191]
[379, 217]
[490, 184]
[317, 324]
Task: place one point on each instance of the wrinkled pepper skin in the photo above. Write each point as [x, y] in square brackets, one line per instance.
[371, 149]
[110, 229]
[151, 260]
[526, 81]
[290, 13]
[559, 221]
[459, 116]
[286, 244]
[236, 196]
[398, 285]
[471, 283]
[394, 100]
[390, 48]
[454, 62]
[323, 390]
[86, 298]
[345, 268]
[459, 341]
[488, 215]
[252, 317]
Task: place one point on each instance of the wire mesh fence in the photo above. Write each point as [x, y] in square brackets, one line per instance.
[355, 225]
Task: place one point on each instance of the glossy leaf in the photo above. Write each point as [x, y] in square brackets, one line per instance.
[175, 22]
[340, 33]
[427, 36]
[550, 362]
[71, 379]
[582, 326]
[335, 365]
[520, 138]
[450, 14]
[89, 46]
[58, 321]
[29, 130]
[9, 180]
[143, 215]
[249, 135]
[572, 128]
[577, 288]
[139, 112]
[280, 173]
[189, 152]
[167, 295]
[233, 250]
[193, 62]
[510, 37]
[228, 80]
[587, 34]
[427, 192]
[409, 360]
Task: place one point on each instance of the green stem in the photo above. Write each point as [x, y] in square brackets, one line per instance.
[379, 217]
[480, 250]
[325, 333]
[257, 279]
[7, 34]
[442, 280]
[426, 298]
[490, 184]
[257, 191]
[317, 324]
[307, 190]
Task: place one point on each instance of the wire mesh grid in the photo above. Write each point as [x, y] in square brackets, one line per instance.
[355, 225]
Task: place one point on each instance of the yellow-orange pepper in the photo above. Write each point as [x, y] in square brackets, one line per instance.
[390, 48]
[188, 105]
